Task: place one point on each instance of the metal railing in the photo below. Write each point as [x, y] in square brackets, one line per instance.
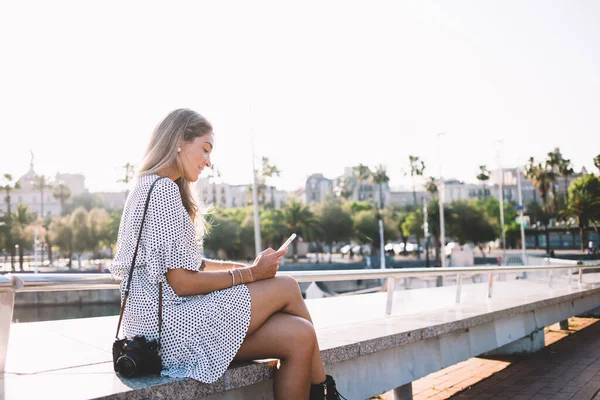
[11, 283]
[91, 281]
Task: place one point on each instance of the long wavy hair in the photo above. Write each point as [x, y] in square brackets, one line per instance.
[162, 153]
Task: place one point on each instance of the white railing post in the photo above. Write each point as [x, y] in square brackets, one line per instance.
[391, 285]
[7, 302]
[490, 284]
[550, 277]
[458, 287]
[580, 277]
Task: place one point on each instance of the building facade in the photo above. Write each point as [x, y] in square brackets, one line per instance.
[36, 199]
[213, 193]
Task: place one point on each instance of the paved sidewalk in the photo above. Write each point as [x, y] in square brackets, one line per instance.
[568, 368]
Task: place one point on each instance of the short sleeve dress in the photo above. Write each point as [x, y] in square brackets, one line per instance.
[200, 334]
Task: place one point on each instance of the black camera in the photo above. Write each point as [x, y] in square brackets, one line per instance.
[136, 357]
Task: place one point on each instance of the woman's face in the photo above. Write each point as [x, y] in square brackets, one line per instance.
[195, 155]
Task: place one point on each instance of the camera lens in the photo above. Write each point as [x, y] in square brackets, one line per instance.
[126, 366]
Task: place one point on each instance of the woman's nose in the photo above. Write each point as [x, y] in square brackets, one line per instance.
[207, 161]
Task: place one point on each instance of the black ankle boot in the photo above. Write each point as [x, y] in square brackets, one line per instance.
[325, 390]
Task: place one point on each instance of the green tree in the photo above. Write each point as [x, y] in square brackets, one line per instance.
[273, 227]
[61, 234]
[62, 193]
[99, 226]
[413, 225]
[224, 235]
[336, 223]
[366, 228]
[82, 235]
[8, 185]
[469, 224]
[300, 220]
[483, 176]
[584, 204]
[597, 162]
[112, 233]
[85, 200]
[431, 186]
[22, 236]
[343, 187]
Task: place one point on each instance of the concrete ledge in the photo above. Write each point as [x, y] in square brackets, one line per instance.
[369, 352]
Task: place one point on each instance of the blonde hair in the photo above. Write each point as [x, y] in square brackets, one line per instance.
[161, 153]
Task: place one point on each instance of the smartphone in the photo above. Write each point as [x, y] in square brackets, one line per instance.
[287, 242]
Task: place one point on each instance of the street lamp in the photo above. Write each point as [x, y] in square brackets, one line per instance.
[501, 199]
[441, 202]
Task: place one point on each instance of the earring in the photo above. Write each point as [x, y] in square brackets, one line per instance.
[179, 149]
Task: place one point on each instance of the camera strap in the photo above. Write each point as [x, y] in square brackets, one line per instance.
[137, 245]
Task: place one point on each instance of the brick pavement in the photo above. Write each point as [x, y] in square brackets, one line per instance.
[568, 368]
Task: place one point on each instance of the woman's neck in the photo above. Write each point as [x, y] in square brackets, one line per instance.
[169, 173]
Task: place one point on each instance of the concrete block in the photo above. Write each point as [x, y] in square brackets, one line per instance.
[528, 344]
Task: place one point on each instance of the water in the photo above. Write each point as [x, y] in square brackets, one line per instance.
[54, 312]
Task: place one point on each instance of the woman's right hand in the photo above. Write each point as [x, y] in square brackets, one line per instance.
[267, 263]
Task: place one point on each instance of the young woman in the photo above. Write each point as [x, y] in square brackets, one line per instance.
[213, 312]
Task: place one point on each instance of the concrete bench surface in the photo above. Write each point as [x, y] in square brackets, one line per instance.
[71, 359]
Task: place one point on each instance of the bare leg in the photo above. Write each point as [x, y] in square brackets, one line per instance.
[282, 294]
[292, 340]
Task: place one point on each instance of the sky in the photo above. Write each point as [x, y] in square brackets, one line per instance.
[318, 85]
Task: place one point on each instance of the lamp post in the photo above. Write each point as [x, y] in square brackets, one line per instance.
[441, 202]
[501, 200]
[257, 239]
[523, 255]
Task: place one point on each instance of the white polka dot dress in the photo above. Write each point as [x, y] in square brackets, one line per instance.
[200, 334]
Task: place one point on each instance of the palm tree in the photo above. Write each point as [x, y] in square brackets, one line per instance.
[269, 171]
[553, 163]
[380, 177]
[343, 187]
[40, 182]
[542, 181]
[417, 167]
[8, 186]
[597, 162]
[361, 173]
[431, 186]
[22, 219]
[62, 192]
[584, 204]
[129, 172]
[565, 170]
[483, 176]
[530, 172]
[300, 220]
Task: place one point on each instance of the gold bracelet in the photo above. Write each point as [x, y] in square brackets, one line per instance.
[251, 277]
[232, 278]
[241, 276]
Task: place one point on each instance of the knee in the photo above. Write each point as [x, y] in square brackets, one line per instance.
[303, 337]
[288, 285]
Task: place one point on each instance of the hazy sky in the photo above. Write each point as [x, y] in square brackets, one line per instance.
[320, 84]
